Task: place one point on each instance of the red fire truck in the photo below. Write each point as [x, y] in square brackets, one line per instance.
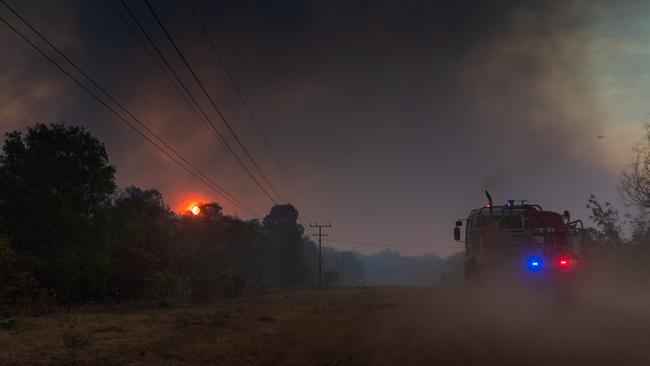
[523, 239]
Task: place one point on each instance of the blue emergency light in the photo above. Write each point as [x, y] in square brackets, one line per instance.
[534, 264]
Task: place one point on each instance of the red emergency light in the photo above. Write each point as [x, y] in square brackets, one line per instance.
[563, 262]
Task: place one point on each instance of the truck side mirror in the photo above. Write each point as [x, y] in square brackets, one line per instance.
[459, 223]
[457, 233]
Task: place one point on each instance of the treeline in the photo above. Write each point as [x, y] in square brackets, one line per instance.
[69, 235]
[619, 243]
[389, 267]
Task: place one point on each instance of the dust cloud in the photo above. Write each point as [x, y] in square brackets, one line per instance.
[604, 324]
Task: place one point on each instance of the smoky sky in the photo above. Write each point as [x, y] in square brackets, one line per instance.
[392, 117]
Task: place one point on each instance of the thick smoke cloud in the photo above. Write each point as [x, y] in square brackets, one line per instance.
[392, 117]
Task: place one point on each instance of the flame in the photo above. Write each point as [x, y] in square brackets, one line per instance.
[195, 209]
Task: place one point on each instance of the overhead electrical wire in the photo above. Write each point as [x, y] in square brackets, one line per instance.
[179, 159]
[249, 109]
[209, 97]
[393, 245]
[162, 69]
[186, 94]
[210, 125]
[194, 171]
[174, 155]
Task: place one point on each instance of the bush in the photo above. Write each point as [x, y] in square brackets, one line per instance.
[231, 283]
[166, 284]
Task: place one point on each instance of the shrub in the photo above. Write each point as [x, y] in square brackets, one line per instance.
[231, 283]
[166, 284]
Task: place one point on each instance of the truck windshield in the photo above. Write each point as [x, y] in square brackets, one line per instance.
[504, 215]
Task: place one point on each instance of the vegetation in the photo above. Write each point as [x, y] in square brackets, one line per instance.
[68, 235]
[635, 182]
[622, 243]
[280, 328]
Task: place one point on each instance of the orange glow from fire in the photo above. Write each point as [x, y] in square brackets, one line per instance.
[189, 204]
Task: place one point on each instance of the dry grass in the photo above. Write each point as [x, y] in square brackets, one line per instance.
[389, 326]
[291, 328]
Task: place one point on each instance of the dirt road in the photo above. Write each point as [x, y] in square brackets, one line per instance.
[374, 326]
[451, 327]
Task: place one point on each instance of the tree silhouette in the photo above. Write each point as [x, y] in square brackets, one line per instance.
[143, 229]
[635, 181]
[284, 239]
[57, 187]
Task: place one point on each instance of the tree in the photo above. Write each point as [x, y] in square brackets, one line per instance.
[220, 252]
[635, 181]
[143, 229]
[242, 245]
[640, 236]
[608, 227]
[54, 198]
[284, 241]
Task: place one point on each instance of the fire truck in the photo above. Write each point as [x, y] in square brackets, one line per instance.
[522, 239]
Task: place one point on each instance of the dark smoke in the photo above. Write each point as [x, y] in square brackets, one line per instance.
[392, 116]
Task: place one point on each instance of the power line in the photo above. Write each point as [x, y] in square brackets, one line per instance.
[394, 245]
[211, 126]
[204, 117]
[214, 186]
[212, 102]
[249, 109]
[165, 72]
[232, 81]
[192, 169]
[101, 89]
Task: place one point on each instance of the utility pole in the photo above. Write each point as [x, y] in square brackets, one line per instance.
[343, 268]
[320, 246]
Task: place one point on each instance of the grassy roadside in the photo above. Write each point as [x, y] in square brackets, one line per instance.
[289, 328]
